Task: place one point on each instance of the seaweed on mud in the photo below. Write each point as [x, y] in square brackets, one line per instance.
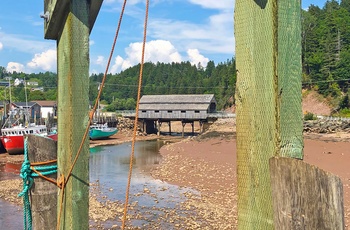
[216, 134]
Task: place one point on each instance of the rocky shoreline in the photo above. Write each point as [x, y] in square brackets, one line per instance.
[327, 125]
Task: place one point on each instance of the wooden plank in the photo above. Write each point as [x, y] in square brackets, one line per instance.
[305, 197]
[43, 192]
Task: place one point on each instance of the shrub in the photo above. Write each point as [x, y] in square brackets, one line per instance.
[310, 116]
[344, 112]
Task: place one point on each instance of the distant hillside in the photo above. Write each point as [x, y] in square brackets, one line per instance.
[315, 103]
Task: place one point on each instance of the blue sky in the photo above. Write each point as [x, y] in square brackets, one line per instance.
[178, 30]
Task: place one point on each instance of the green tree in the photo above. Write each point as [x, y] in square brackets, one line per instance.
[36, 95]
[344, 103]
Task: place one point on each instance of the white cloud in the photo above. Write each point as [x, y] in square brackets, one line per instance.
[222, 4]
[1, 46]
[214, 36]
[91, 42]
[15, 66]
[46, 60]
[195, 57]
[100, 60]
[155, 51]
[118, 65]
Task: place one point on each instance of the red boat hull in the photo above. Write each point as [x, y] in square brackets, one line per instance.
[15, 144]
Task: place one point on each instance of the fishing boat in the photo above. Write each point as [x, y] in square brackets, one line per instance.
[101, 131]
[16, 128]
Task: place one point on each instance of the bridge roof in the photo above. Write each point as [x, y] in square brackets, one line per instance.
[174, 106]
[188, 99]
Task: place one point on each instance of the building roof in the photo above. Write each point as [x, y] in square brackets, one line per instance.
[46, 103]
[24, 104]
[174, 106]
[180, 98]
[176, 102]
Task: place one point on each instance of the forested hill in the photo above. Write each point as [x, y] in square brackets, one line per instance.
[325, 63]
[326, 47]
[175, 78]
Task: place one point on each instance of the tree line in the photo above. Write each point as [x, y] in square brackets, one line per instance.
[325, 64]
[326, 50]
[120, 90]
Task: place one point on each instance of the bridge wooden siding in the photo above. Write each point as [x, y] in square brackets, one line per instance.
[156, 109]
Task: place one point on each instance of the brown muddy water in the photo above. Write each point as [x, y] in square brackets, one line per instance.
[109, 168]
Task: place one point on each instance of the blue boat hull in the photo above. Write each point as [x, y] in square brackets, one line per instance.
[97, 134]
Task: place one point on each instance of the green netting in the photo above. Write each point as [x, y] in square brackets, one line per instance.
[290, 75]
[268, 99]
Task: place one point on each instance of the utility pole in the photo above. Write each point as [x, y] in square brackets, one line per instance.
[70, 23]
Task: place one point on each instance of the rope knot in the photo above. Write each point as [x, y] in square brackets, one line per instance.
[25, 174]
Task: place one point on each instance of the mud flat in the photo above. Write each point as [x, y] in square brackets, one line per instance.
[207, 163]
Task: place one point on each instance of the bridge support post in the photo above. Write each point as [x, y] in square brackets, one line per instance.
[159, 124]
[143, 126]
[183, 128]
[201, 126]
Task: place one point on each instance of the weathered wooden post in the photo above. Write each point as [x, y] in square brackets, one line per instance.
[43, 192]
[269, 126]
[169, 123]
[268, 99]
[305, 197]
[159, 124]
[183, 128]
[70, 22]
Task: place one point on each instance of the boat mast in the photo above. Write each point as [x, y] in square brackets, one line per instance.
[26, 114]
[10, 92]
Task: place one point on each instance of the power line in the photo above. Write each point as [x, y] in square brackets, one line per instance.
[174, 87]
[325, 81]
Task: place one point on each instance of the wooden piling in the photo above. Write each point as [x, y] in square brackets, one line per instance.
[70, 23]
[73, 104]
[305, 197]
[183, 128]
[159, 124]
[43, 192]
[268, 100]
[169, 123]
[201, 126]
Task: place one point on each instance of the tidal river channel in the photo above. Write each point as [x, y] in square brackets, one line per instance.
[109, 169]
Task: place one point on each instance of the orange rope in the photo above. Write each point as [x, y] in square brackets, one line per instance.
[136, 119]
[64, 181]
[98, 96]
[43, 163]
[45, 177]
[61, 181]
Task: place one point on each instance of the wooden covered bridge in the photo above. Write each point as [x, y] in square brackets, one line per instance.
[156, 109]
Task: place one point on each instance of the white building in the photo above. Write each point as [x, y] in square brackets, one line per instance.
[47, 108]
